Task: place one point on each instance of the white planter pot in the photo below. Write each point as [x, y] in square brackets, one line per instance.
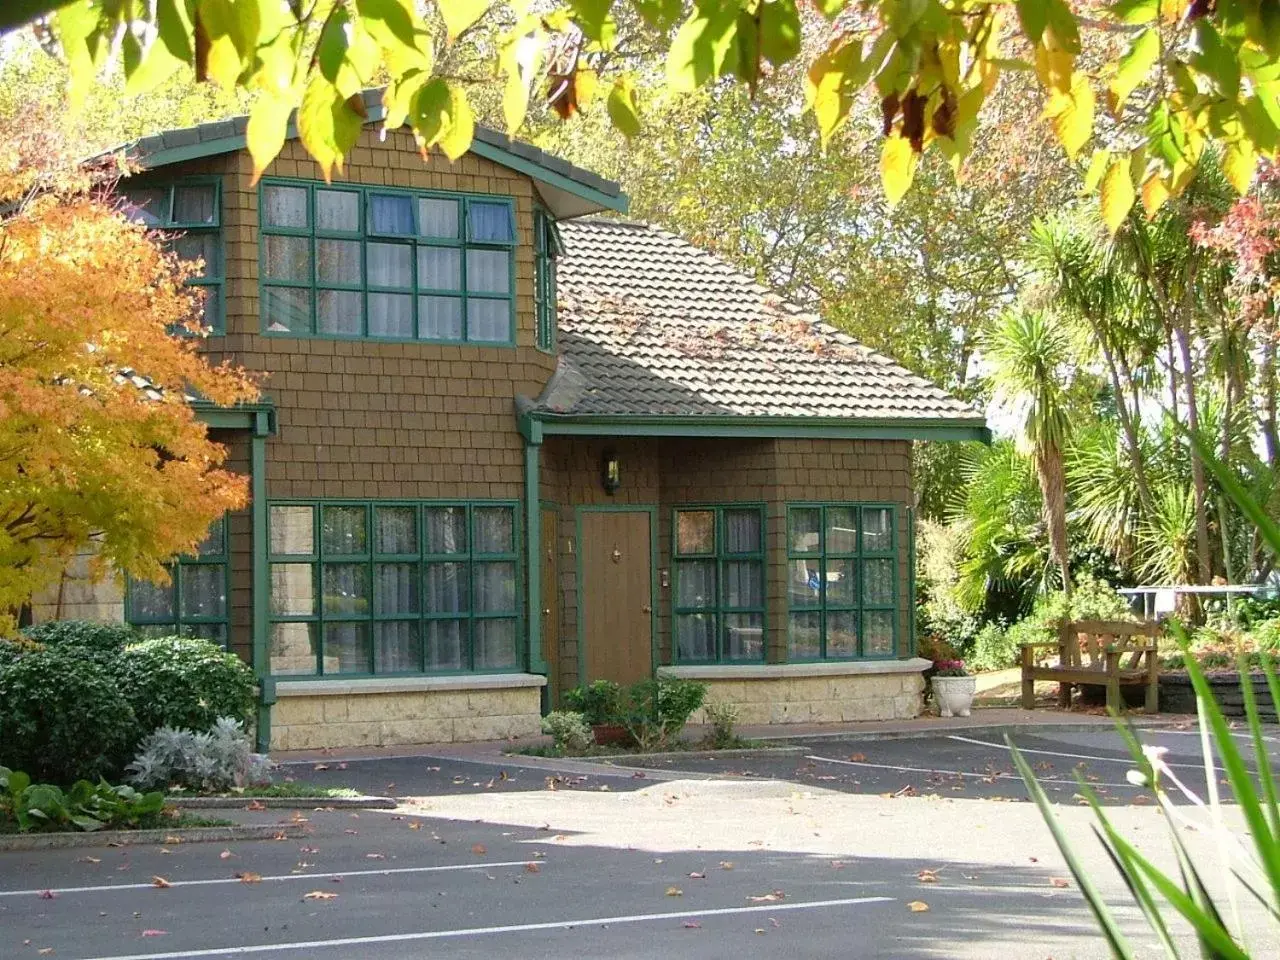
[954, 695]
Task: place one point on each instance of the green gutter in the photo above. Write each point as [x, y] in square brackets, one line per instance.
[533, 558]
[958, 429]
[243, 416]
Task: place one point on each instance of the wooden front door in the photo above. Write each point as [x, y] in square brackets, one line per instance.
[615, 595]
[550, 602]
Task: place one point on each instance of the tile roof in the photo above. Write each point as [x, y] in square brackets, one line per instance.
[652, 326]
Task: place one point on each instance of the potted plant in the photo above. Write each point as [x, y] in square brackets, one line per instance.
[953, 688]
[600, 702]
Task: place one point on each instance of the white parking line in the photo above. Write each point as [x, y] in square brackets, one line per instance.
[956, 773]
[1128, 761]
[484, 931]
[111, 887]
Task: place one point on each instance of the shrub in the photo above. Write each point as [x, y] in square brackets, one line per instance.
[995, 647]
[569, 730]
[213, 762]
[656, 711]
[186, 683]
[12, 649]
[64, 717]
[1266, 635]
[85, 806]
[723, 717]
[599, 702]
[103, 637]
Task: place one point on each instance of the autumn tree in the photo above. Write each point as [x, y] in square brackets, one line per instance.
[99, 362]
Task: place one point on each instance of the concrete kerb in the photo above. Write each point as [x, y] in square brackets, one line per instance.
[283, 803]
[123, 838]
[1000, 729]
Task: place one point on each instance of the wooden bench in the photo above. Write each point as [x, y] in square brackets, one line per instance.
[1099, 652]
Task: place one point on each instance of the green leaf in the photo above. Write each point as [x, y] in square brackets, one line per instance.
[830, 8]
[1117, 193]
[1262, 762]
[1239, 160]
[661, 14]
[1215, 60]
[441, 116]
[624, 108]
[1234, 489]
[779, 31]
[592, 18]
[897, 167]
[1034, 17]
[460, 14]
[1071, 114]
[232, 30]
[1037, 16]
[519, 58]
[77, 25]
[1097, 166]
[329, 128]
[832, 83]
[705, 47]
[173, 28]
[1136, 11]
[1134, 68]
[266, 131]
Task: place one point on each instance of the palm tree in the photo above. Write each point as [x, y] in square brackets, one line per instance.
[1028, 352]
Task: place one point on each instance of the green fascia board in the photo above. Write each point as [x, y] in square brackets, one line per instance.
[258, 417]
[212, 148]
[543, 424]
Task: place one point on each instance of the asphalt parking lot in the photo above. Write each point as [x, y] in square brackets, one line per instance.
[814, 853]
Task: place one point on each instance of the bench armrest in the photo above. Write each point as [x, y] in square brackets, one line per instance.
[1038, 643]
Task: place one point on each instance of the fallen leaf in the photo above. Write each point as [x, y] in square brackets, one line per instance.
[160, 882]
[352, 832]
[45, 951]
[308, 849]
[225, 855]
[927, 876]
[246, 876]
[343, 766]
[657, 860]
[165, 850]
[697, 876]
[918, 906]
[319, 895]
[531, 868]
[726, 864]
[837, 864]
[857, 757]
[760, 930]
[375, 856]
[674, 892]
[48, 895]
[774, 923]
[772, 897]
[256, 805]
[1059, 881]
[479, 849]
[89, 860]
[415, 825]
[321, 766]
[692, 925]
[172, 839]
[154, 933]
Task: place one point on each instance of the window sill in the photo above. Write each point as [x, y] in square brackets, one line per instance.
[780, 671]
[343, 688]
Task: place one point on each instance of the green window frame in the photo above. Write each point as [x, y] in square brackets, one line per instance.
[166, 207]
[394, 587]
[437, 275]
[195, 600]
[547, 248]
[718, 595]
[842, 581]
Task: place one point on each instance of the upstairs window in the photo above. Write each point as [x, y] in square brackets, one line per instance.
[368, 262]
[188, 214]
[546, 249]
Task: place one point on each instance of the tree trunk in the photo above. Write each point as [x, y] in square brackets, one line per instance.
[1053, 488]
[1198, 482]
[1126, 423]
[1267, 377]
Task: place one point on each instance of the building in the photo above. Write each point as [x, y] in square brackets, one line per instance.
[506, 446]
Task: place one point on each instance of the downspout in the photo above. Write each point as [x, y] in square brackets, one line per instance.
[536, 662]
[261, 577]
[911, 581]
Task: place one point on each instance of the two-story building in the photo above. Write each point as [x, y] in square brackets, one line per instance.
[506, 446]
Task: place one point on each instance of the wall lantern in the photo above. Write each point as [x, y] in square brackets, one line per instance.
[610, 473]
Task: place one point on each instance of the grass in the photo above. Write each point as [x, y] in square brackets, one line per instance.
[175, 821]
[287, 789]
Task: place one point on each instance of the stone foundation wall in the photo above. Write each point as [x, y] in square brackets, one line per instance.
[346, 716]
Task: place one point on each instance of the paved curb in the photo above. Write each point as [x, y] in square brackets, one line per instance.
[1031, 729]
[283, 803]
[122, 838]
[620, 759]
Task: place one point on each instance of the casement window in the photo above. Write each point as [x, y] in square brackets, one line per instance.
[387, 587]
[718, 607]
[547, 248]
[194, 602]
[371, 262]
[188, 213]
[842, 577]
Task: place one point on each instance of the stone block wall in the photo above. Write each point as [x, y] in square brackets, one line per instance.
[79, 595]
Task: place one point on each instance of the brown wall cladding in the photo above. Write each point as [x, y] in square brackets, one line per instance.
[667, 473]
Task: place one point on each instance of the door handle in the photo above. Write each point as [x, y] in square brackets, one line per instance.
[646, 609]
[546, 611]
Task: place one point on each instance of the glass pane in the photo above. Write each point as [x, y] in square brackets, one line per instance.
[391, 214]
[395, 530]
[338, 261]
[446, 529]
[284, 207]
[742, 531]
[695, 636]
[389, 265]
[293, 649]
[842, 634]
[287, 310]
[877, 582]
[390, 315]
[440, 318]
[292, 530]
[447, 588]
[695, 531]
[339, 312]
[292, 590]
[214, 543]
[346, 589]
[495, 644]
[204, 590]
[395, 588]
[696, 583]
[489, 321]
[878, 640]
[744, 636]
[202, 246]
[286, 258]
[210, 313]
[744, 584]
[488, 271]
[804, 588]
[214, 632]
[197, 203]
[803, 636]
[491, 222]
[444, 644]
[338, 210]
[440, 268]
[346, 648]
[149, 207]
[877, 530]
[494, 529]
[158, 629]
[437, 218]
[396, 647]
[343, 531]
[150, 601]
[804, 526]
[842, 583]
[842, 530]
[495, 587]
